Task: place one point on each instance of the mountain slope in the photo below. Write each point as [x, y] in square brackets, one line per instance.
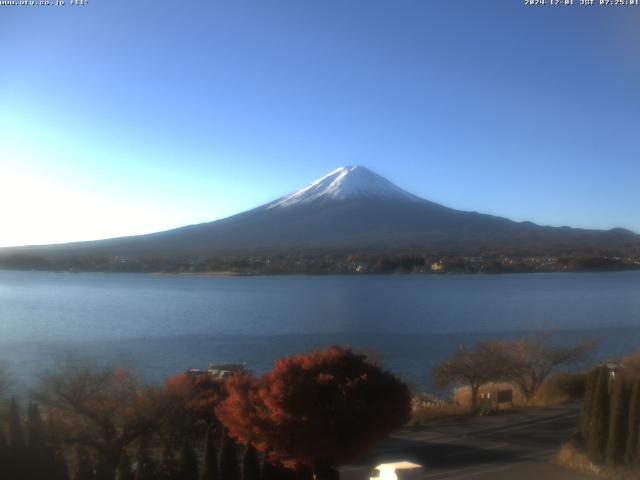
[352, 208]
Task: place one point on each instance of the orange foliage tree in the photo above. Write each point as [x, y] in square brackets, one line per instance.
[195, 398]
[317, 410]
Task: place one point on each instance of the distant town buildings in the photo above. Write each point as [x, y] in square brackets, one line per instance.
[437, 267]
[336, 263]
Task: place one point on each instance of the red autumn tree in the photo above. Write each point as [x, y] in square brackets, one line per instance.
[202, 392]
[319, 410]
[193, 400]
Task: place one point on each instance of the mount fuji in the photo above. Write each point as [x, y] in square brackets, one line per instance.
[350, 209]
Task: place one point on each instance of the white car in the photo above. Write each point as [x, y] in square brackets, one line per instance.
[397, 471]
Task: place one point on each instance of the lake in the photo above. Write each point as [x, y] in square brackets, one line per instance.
[164, 324]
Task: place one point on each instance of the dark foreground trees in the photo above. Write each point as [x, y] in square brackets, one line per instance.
[316, 411]
[609, 423]
[27, 452]
[311, 413]
[102, 423]
[5, 379]
[100, 410]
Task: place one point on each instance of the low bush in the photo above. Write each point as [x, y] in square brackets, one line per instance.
[560, 388]
[574, 458]
[424, 415]
[631, 364]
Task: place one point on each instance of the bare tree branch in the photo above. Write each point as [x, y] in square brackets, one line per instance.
[531, 360]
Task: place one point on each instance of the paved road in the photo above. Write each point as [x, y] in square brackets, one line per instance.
[510, 445]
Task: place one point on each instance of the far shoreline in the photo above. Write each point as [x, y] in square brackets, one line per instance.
[232, 274]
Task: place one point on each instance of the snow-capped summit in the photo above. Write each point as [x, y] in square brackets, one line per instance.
[345, 183]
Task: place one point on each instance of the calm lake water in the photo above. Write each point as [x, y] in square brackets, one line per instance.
[164, 324]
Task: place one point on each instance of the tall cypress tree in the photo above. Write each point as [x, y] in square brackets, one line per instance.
[250, 464]
[229, 468]
[188, 462]
[272, 471]
[618, 422]
[145, 466]
[634, 422]
[269, 470]
[585, 416]
[83, 468]
[52, 429]
[59, 469]
[35, 428]
[211, 456]
[16, 435]
[327, 474]
[304, 472]
[4, 454]
[598, 428]
[636, 460]
[277, 472]
[41, 457]
[58, 460]
[124, 470]
[169, 469]
[10, 460]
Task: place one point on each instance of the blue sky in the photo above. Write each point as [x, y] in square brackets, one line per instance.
[123, 117]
